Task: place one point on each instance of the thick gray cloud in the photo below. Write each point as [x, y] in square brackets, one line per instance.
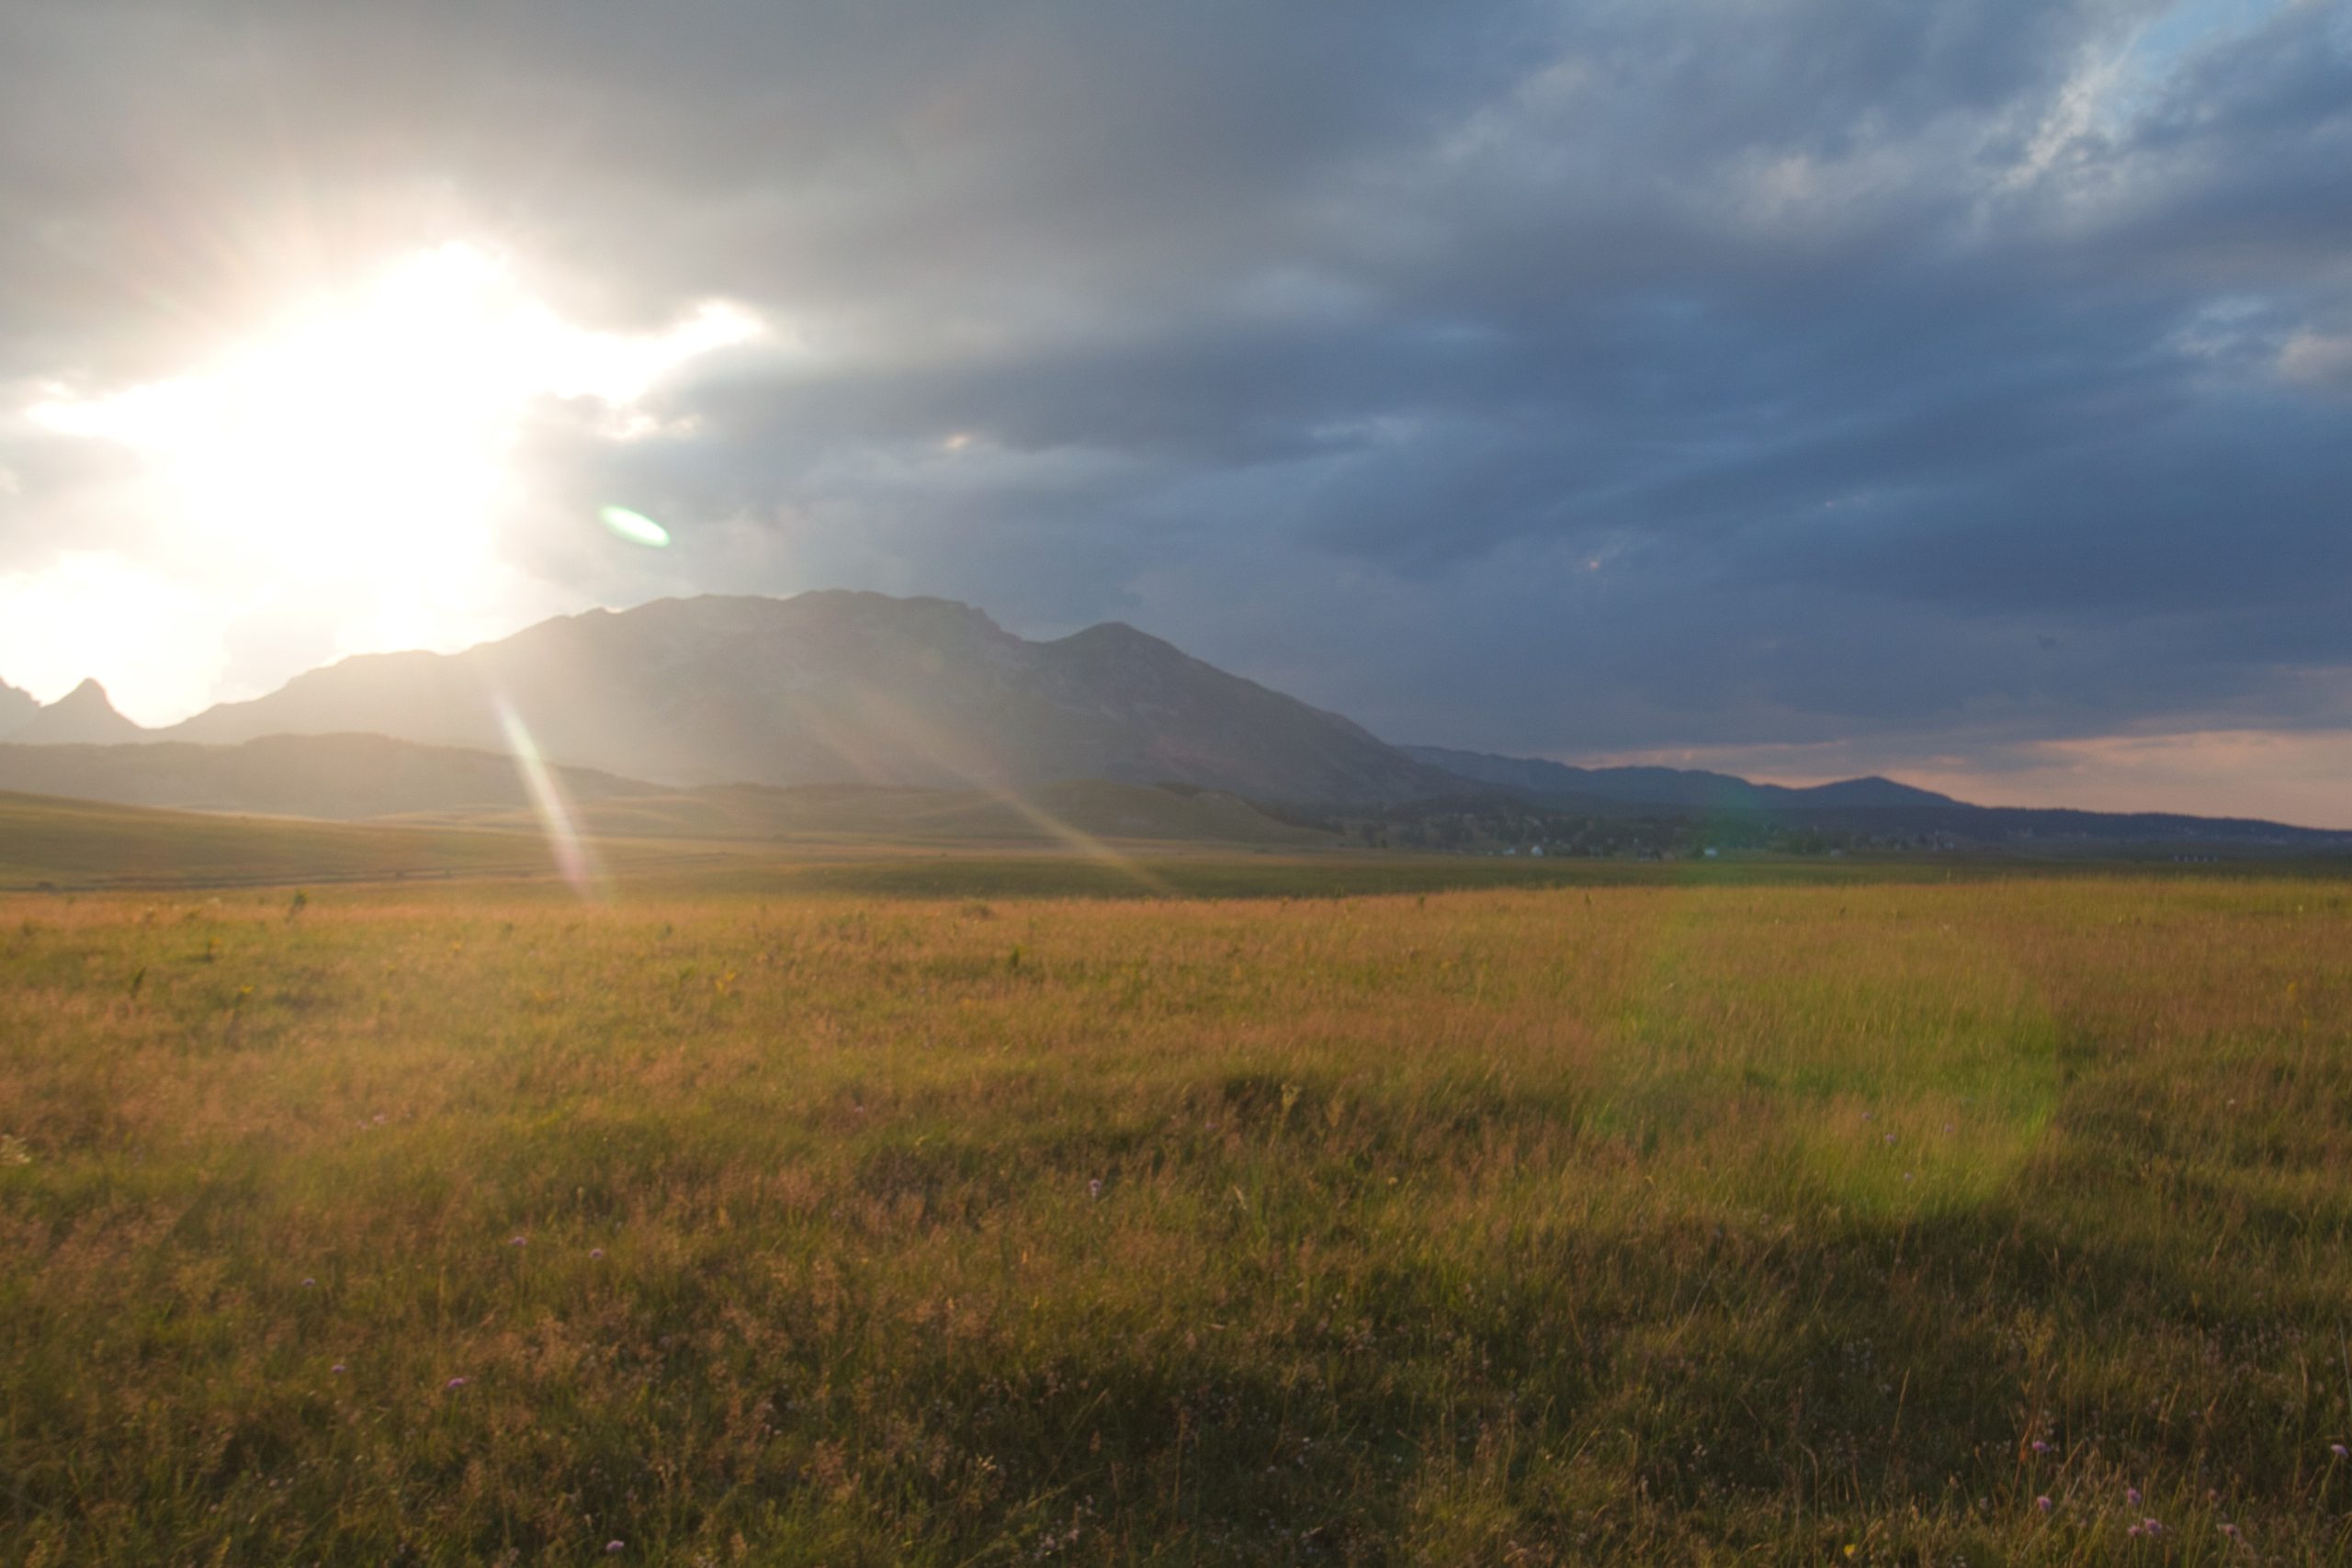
[1570, 378]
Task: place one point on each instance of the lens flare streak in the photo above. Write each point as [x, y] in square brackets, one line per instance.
[635, 526]
[918, 738]
[575, 862]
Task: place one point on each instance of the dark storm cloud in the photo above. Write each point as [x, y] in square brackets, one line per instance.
[1554, 377]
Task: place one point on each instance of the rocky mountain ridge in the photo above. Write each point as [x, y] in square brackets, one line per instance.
[83, 716]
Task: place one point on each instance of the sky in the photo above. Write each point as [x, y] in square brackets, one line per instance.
[1957, 391]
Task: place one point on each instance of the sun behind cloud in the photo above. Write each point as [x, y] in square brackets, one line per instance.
[355, 452]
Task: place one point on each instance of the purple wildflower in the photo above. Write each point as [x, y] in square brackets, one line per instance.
[453, 1383]
[2044, 1504]
[518, 1241]
[2131, 1494]
[2039, 1447]
[595, 1252]
[2338, 1450]
[611, 1548]
[309, 1284]
[1094, 1188]
[338, 1368]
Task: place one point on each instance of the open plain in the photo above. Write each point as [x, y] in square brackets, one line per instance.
[922, 1210]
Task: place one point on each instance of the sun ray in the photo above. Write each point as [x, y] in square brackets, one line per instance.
[574, 853]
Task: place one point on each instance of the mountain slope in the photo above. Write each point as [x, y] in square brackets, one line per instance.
[1680, 789]
[841, 688]
[16, 707]
[370, 777]
[83, 716]
[46, 842]
[345, 777]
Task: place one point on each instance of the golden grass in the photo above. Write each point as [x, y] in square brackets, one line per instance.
[1573, 1225]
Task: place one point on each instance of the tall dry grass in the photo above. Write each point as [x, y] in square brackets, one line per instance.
[1585, 1224]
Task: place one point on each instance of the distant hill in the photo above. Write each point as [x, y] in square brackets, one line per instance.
[81, 717]
[843, 688]
[341, 777]
[1865, 808]
[372, 777]
[16, 707]
[47, 843]
[1066, 814]
[2016, 827]
[1680, 789]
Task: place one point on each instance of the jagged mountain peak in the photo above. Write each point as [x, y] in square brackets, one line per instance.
[85, 715]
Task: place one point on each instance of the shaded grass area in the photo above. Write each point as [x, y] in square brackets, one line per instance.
[1046, 816]
[1122, 872]
[1588, 1224]
[1116, 871]
[80, 845]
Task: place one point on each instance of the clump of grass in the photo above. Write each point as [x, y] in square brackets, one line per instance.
[1596, 1225]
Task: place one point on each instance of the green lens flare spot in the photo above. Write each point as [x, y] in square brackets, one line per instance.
[635, 526]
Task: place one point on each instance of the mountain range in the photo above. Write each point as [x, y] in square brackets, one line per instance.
[838, 688]
[1870, 809]
[1682, 789]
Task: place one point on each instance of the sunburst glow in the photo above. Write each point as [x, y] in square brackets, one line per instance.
[361, 449]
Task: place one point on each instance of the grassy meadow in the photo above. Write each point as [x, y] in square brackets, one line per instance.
[53, 845]
[954, 1213]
